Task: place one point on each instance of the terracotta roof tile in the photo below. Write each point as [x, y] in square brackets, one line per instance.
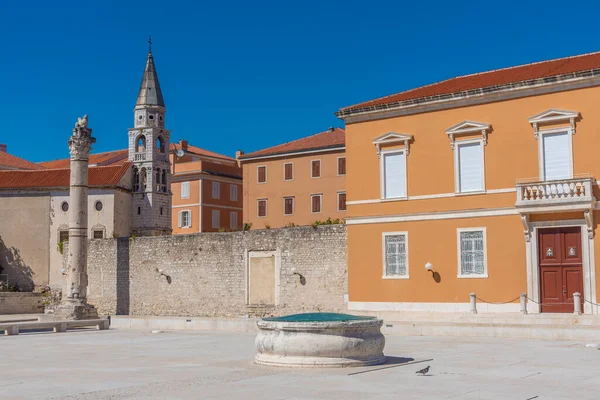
[8, 161]
[47, 178]
[511, 75]
[332, 138]
[201, 152]
[115, 157]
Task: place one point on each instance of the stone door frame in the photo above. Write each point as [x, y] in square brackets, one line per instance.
[248, 254]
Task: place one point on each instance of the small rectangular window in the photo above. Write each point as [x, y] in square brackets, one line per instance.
[216, 219]
[315, 169]
[98, 234]
[471, 253]
[288, 205]
[185, 190]
[288, 169]
[262, 208]
[233, 220]
[316, 200]
[342, 201]
[395, 249]
[342, 166]
[393, 166]
[185, 219]
[469, 162]
[216, 190]
[63, 236]
[233, 192]
[262, 174]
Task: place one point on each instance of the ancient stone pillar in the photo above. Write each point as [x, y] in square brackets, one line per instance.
[74, 304]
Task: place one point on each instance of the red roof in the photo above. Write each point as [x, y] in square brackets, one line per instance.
[46, 178]
[332, 138]
[8, 161]
[115, 157]
[505, 76]
[201, 152]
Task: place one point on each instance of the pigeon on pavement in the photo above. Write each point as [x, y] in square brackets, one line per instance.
[423, 371]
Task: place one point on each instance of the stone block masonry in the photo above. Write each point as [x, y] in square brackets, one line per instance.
[207, 274]
[21, 303]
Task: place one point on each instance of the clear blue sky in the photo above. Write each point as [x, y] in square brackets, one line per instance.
[252, 74]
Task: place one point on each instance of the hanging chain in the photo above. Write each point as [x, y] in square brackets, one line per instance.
[505, 302]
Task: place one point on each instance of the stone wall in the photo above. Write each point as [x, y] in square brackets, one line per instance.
[21, 303]
[206, 274]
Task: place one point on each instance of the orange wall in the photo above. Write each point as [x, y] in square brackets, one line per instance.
[511, 154]
[301, 188]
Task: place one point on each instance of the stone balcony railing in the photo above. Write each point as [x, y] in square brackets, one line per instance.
[140, 157]
[564, 194]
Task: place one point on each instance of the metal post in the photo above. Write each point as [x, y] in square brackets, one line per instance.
[473, 303]
[577, 303]
[523, 303]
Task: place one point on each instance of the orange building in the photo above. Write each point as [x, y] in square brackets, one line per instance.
[207, 191]
[296, 183]
[480, 184]
[206, 187]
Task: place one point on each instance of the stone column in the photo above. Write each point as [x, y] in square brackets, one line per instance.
[74, 304]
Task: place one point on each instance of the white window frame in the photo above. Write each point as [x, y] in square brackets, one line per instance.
[233, 192]
[218, 214]
[338, 201]
[337, 166]
[217, 186]
[258, 175]
[459, 258]
[383, 153]
[567, 130]
[384, 258]
[320, 195]
[233, 215]
[185, 184]
[293, 205]
[293, 171]
[320, 169]
[258, 208]
[180, 219]
[457, 145]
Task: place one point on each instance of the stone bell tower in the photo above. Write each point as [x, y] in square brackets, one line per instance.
[149, 144]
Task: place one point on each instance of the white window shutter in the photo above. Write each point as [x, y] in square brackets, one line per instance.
[556, 156]
[394, 166]
[185, 190]
[180, 215]
[216, 190]
[470, 167]
[233, 220]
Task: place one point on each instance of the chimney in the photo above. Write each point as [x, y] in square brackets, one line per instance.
[238, 154]
[183, 144]
[331, 129]
[3, 148]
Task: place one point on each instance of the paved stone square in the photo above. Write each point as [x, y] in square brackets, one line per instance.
[131, 364]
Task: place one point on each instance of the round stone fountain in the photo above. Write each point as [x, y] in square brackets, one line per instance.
[320, 340]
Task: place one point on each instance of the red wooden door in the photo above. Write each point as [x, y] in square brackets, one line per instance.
[561, 272]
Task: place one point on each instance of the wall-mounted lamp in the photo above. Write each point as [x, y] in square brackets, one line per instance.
[429, 268]
[302, 279]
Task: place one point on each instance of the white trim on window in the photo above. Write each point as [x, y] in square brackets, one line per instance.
[216, 190]
[320, 196]
[320, 169]
[459, 253]
[337, 162]
[258, 208]
[185, 190]
[293, 172]
[382, 186]
[233, 192]
[569, 132]
[457, 145]
[384, 256]
[189, 218]
[338, 201]
[216, 219]
[293, 205]
[258, 174]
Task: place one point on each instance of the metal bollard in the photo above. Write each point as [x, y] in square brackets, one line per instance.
[523, 303]
[577, 303]
[473, 303]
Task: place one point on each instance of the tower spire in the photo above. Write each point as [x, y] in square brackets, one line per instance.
[150, 93]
